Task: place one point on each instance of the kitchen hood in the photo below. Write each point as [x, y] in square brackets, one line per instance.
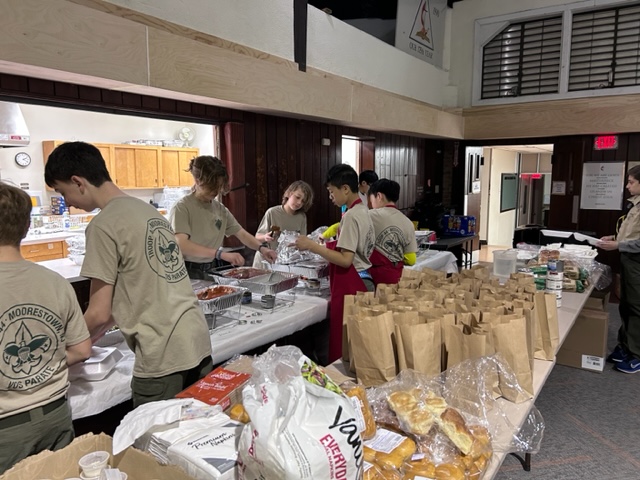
[13, 128]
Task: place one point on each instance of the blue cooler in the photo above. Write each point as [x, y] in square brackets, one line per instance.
[459, 225]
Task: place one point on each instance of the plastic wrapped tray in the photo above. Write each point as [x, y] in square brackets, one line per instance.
[98, 366]
[271, 283]
[217, 304]
[238, 274]
[307, 269]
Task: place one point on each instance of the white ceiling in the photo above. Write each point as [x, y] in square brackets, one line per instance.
[526, 148]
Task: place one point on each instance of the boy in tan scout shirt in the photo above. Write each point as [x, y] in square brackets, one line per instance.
[138, 277]
[41, 333]
[349, 256]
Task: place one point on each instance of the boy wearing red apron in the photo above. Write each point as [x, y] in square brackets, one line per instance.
[395, 235]
[349, 255]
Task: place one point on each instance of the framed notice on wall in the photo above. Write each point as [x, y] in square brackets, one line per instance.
[602, 186]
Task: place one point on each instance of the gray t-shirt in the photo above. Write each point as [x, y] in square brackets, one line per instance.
[132, 247]
[277, 216]
[206, 223]
[357, 235]
[39, 318]
[395, 234]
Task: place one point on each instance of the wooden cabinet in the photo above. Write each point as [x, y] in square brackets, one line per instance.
[141, 166]
[174, 164]
[40, 252]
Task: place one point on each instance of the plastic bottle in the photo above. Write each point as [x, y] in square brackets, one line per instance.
[66, 220]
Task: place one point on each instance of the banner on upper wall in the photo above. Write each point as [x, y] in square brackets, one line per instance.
[420, 28]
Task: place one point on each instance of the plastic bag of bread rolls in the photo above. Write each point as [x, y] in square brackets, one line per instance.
[389, 450]
[365, 418]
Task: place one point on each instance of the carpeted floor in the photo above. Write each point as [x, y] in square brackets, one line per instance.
[592, 425]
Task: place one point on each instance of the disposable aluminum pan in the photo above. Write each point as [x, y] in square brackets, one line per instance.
[220, 303]
[235, 276]
[308, 269]
[271, 283]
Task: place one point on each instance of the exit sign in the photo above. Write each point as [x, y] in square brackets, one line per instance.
[605, 142]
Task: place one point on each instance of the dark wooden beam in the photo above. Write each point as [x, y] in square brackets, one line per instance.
[300, 34]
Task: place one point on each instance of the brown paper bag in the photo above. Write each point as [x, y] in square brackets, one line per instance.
[372, 340]
[421, 347]
[546, 317]
[510, 341]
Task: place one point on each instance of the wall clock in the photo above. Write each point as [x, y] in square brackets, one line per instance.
[23, 159]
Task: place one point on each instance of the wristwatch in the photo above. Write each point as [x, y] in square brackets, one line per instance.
[263, 244]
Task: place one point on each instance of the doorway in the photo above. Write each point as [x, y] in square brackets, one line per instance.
[358, 152]
[520, 171]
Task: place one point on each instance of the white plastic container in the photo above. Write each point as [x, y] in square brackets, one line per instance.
[504, 263]
[98, 366]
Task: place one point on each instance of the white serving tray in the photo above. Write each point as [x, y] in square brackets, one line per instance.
[96, 367]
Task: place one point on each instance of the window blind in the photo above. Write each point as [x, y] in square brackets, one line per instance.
[523, 59]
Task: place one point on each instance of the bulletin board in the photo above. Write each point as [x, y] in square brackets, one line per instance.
[508, 192]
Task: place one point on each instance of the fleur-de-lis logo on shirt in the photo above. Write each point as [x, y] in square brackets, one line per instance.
[25, 352]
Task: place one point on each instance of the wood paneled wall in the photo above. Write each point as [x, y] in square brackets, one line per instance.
[277, 150]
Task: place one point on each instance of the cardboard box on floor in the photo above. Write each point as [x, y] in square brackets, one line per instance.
[63, 463]
[586, 344]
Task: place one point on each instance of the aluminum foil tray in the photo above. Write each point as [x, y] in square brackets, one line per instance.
[271, 283]
[235, 276]
[306, 269]
[220, 303]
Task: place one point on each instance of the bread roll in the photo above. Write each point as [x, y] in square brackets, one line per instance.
[360, 394]
[396, 458]
[449, 471]
[369, 454]
[454, 426]
[419, 468]
[402, 402]
[237, 412]
[413, 417]
[481, 441]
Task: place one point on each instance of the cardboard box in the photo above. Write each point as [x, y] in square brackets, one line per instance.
[586, 344]
[63, 463]
[460, 225]
[223, 386]
[597, 301]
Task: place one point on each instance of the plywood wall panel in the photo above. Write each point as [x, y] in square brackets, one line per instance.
[58, 36]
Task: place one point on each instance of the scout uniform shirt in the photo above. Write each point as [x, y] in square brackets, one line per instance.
[357, 235]
[395, 234]
[277, 216]
[131, 246]
[39, 317]
[630, 227]
[206, 223]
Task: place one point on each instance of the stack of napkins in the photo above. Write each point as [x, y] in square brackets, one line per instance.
[208, 453]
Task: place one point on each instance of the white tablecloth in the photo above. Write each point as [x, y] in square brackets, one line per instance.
[292, 313]
[436, 260]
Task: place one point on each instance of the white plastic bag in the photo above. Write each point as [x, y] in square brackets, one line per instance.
[299, 430]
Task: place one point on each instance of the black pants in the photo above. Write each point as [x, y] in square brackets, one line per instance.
[197, 272]
[629, 333]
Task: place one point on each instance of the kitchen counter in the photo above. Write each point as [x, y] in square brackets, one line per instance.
[66, 268]
[50, 237]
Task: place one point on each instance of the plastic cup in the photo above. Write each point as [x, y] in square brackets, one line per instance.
[504, 263]
[93, 463]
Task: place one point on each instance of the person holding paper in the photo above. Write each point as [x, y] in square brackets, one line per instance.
[626, 355]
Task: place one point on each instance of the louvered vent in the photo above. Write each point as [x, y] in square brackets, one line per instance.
[523, 59]
[605, 49]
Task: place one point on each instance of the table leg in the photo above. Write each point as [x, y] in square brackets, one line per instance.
[525, 462]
